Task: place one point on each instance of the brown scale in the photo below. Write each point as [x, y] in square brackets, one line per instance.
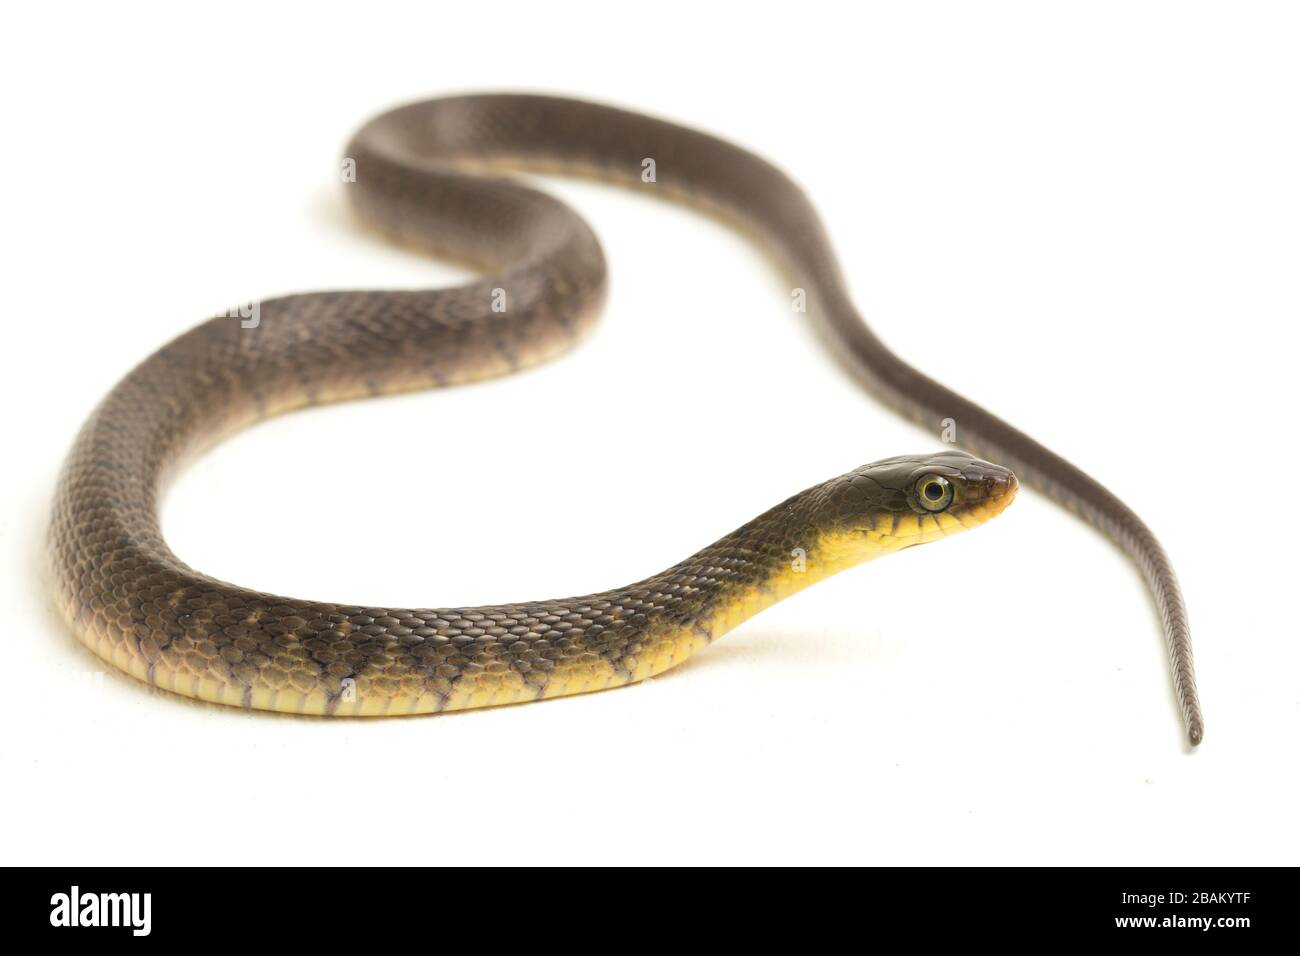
[419, 180]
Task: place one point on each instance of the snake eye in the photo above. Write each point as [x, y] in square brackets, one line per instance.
[934, 492]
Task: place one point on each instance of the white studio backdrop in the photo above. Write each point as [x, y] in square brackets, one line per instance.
[1083, 219]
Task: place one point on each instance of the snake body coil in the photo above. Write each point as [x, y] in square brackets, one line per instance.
[418, 177]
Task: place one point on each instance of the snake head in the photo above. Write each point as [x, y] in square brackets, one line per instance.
[911, 499]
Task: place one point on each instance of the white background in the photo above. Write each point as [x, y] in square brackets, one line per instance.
[1086, 220]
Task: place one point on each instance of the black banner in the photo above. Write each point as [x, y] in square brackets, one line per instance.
[139, 906]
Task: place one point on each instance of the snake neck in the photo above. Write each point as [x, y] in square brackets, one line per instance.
[753, 568]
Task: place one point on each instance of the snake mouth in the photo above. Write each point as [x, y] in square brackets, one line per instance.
[988, 498]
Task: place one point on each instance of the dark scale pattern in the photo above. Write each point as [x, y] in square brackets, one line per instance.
[418, 180]
[141, 608]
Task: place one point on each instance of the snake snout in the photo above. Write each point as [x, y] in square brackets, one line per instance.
[985, 488]
[998, 484]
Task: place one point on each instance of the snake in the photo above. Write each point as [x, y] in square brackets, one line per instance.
[439, 176]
